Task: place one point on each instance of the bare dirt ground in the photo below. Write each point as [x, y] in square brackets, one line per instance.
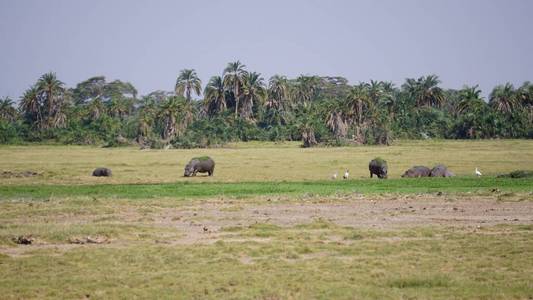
[358, 212]
[204, 222]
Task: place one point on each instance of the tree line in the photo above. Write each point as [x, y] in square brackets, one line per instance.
[240, 105]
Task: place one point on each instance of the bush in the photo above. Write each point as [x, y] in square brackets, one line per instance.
[10, 133]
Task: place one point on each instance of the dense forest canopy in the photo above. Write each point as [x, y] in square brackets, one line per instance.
[241, 105]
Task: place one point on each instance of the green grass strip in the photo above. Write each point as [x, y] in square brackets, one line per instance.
[191, 189]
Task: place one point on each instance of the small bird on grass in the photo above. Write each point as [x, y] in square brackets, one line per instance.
[346, 174]
[477, 172]
[334, 176]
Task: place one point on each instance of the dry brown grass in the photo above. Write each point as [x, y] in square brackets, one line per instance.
[363, 247]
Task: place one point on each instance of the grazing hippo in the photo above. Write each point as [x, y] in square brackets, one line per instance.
[99, 172]
[379, 167]
[441, 171]
[417, 171]
[202, 164]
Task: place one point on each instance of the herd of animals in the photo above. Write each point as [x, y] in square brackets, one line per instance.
[377, 166]
[203, 164]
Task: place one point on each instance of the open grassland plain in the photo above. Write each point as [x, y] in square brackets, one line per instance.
[377, 246]
[258, 162]
[268, 225]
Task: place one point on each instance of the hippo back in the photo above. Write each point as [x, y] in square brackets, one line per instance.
[102, 172]
[441, 171]
[417, 171]
[199, 164]
[205, 165]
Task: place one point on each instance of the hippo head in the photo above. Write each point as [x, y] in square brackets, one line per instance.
[408, 173]
[189, 170]
[383, 171]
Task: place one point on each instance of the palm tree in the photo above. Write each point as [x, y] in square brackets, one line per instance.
[388, 99]
[177, 114]
[215, 96]
[357, 103]
[96, 108]
[51, 90]
[60, 118]
[471, 105]
[30, 105]
[7, 111]
[186, 116]
[278, 92]
[425, 91]
[188, 82]
[120, 107]
[253, 91]
[233, 81]
[169, 114]
[145, 125]
[525, 93]
[278, 102]
[308, 135]
[382, 94]
[470, 99]
[307, 88]
[336, 119]
[146, 116]
[503, 98]
[375, 91]
[305, 124]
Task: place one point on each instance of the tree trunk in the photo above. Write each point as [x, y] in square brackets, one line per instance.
[236, 107]
[358, 137]
[308, 138]
[236, 95]
[50, 103]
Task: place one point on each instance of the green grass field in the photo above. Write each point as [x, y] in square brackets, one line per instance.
[184, 190]
[269, 225]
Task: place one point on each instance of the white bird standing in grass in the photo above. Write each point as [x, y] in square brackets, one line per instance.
[334, 176]
[478, 173]
[346, 174]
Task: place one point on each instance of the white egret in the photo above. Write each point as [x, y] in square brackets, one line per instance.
[346, 174]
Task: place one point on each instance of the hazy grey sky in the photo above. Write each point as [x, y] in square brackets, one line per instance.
[148, 42]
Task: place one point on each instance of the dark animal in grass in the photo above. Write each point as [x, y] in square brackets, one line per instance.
[440, 171]
[202, 164]
[417, 171]
[23, 239]
[102, 172]
[379, 167]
